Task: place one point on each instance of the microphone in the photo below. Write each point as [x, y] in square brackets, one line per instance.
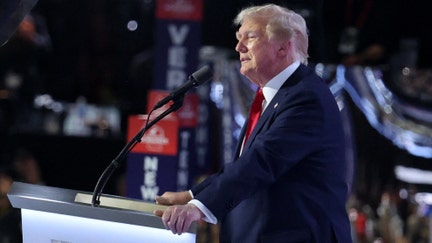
[197, 78]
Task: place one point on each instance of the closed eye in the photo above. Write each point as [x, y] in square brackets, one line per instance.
[251, 36]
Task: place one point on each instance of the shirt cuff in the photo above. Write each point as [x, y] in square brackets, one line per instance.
[208, 216]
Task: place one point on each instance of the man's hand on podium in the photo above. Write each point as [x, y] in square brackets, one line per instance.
[174, 198]
[178, 218]
[180, 215]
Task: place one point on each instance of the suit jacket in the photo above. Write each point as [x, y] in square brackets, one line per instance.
[289, 184]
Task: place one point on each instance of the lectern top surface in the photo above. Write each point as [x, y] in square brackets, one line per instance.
[77, 203]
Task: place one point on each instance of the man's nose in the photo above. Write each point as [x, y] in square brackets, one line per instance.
[240, 47]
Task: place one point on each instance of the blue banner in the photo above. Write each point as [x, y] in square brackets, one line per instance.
[178, 41]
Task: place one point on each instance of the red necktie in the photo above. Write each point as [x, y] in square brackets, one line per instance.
[255, 113]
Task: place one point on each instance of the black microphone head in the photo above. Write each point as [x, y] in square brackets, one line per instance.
[202, 75]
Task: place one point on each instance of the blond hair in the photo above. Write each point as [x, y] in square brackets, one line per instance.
[282, 24]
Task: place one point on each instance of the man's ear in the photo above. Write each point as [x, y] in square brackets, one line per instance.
[284, 48]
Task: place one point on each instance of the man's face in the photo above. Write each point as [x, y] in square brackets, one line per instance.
[258, 54]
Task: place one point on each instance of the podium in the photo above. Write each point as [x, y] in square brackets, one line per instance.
[57, 215]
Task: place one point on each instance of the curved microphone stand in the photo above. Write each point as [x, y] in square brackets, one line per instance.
[177, 103]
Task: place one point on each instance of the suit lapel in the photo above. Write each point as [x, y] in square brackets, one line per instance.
[273, 106]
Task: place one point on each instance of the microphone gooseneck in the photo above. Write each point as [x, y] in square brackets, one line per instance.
[197, 78]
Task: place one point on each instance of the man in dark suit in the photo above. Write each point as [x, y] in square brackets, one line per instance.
[288, 181]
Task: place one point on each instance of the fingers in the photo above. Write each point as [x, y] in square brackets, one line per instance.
[178, 218]
[158, 212]
[174, 226]
[162, 200]
[171, 219]
[172, 198]
[175, 221]
[166, 217]
[168, 199]
[186, 225]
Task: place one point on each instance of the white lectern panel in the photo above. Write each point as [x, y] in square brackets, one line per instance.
[57, 215]
[44, 227]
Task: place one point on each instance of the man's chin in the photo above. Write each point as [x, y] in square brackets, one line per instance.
[244, 70]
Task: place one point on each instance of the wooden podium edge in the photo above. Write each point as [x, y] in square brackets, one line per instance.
[118, 202]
